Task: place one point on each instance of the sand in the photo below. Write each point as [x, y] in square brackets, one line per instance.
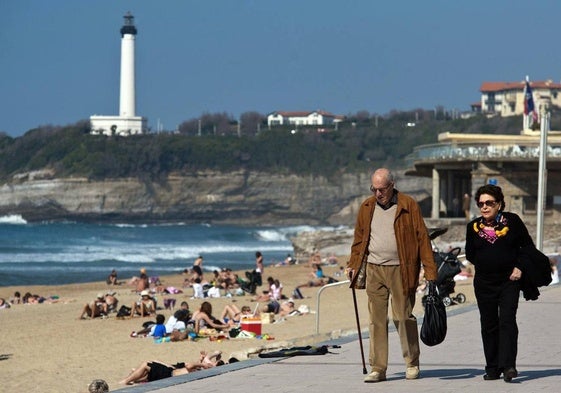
[45, 348]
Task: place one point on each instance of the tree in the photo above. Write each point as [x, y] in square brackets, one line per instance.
[251, 123]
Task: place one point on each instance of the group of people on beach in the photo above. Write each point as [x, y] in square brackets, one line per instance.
[27, 298]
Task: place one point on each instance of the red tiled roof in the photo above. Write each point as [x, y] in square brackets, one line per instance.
[502, 86]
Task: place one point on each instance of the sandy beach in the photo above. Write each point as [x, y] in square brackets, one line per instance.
[46, 348]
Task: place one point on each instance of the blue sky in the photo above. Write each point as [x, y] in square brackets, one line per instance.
[60, 59]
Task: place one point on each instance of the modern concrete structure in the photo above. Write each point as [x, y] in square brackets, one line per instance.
[127, 123]
[461, 163]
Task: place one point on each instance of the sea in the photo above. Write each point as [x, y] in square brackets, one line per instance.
[55, 253]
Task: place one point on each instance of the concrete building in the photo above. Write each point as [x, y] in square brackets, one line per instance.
[302, 118]
[507, 98]
[126, 123]
[461, 163]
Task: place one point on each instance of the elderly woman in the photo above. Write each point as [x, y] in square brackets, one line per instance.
[493, 241]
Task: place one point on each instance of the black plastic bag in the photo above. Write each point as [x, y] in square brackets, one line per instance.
[433, 330]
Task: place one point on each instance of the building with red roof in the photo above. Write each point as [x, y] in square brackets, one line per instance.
[507, 98]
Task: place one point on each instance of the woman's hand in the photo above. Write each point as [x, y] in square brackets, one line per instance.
[516, 274]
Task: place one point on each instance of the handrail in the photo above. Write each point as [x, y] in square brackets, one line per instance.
[318, 298]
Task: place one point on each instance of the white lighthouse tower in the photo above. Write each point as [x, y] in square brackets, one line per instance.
[127, 123]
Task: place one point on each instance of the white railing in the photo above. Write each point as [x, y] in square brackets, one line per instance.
[335, 284]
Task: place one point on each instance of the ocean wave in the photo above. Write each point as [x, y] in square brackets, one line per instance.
[14, 219]
[139, 253]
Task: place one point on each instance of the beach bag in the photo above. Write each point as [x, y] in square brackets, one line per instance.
[434, 327]
[124, 311]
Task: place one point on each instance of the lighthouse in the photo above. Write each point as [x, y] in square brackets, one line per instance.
[127, 123]
[127, 99]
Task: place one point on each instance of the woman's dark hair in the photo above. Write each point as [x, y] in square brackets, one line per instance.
[206, 307]
[181, 315]
[495, 191]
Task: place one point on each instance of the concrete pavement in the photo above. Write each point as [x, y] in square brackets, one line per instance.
[456, 365]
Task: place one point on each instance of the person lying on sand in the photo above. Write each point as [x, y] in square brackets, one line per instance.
[155, 370]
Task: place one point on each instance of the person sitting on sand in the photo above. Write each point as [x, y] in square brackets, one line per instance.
[317, 277]
[112, 278]
[176, 322]
[94, 309]
[16, 299]
[156, 370]
[4, 303]
[159, 329]
[111, 301]
[146, 306]
[232, 313]
[203, 319]
[198, 290]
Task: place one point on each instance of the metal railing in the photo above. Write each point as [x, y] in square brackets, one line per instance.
[319, 295]
[479, 152]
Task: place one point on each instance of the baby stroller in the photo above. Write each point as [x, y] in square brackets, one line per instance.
[448, 266]
[254, 280]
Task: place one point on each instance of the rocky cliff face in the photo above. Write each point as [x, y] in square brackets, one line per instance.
[237, 197]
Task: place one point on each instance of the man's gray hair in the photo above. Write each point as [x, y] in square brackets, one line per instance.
[389, 174]
[98, 386]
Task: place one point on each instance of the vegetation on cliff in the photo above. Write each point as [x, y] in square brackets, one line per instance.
[360, 142]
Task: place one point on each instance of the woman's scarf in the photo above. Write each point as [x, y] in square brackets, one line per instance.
[491, 232]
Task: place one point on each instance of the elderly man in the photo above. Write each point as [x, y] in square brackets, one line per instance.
[390, 243]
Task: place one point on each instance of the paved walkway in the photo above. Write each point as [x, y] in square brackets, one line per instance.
[453, 366]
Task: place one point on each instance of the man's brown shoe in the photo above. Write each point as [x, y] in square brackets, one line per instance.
[412, 372]
[375, 376]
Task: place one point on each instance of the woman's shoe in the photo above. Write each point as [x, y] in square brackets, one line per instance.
[510, 373]
[491, 376]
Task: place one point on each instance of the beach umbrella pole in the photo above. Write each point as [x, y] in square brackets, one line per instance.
[359, 332]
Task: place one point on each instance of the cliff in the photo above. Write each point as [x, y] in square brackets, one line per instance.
[241, 197]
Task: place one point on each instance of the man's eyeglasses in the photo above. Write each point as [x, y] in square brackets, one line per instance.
[382, 189]
[486, 203]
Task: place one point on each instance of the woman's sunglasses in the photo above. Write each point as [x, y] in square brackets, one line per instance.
[486, 203]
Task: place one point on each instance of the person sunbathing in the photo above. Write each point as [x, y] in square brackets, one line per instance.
[287, 309]
[94, 309]
[232, 313]
[146, 306]
[155, 370]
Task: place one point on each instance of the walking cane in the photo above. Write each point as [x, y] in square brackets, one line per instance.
[358, 328]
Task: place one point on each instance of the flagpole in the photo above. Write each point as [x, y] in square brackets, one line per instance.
[526, 123]
[542, 177]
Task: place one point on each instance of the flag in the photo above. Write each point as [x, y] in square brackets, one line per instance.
[529, 102]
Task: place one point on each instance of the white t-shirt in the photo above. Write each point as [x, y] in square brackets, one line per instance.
[198, 291]
[213, 292]
[173, 324]
[276, 292]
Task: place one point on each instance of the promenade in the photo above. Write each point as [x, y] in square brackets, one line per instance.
[456, 365]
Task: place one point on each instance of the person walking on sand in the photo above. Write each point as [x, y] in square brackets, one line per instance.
[259, 267]
[392, 241]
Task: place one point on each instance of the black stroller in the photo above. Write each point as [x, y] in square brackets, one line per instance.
[448, 266]
[254, 280]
